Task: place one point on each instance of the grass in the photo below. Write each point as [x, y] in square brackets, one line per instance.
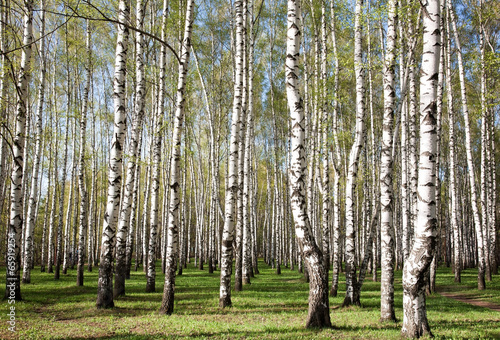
[468, 286]
[272, 307]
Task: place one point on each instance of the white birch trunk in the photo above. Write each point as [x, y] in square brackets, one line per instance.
[387, 241]
[126, 206]
[167, 305]
[70, 207]
[352, 295]
[238, 272]
[13, 257]
[457, 256]
[155, 169]
[81, 170]
[470, 164]
[92, 204]
[247, 231]
[28, 245]
[325, 145]
[232, 183]
[415, 322]
[336, 166]
[105, 284]
[319, 314]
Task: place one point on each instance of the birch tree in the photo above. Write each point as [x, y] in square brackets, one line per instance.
[232, 182]
[124, 217]
[81, 170]
[155, 169]
[415, 323]
[167, 305]
[352, 293]
[28, 245]
[105, 284]
[386, 168]
[13, 258]
[457, 257]
[481, 258]
[318, 314]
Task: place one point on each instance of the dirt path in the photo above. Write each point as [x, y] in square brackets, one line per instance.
[471, 301]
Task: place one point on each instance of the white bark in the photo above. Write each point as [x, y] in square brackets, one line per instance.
[167, 305]
[232, 183]
[105, 284]
[415, 322]
[457, 267]
[352, 295]
[126, 206]
[28, 245]
[470, 164]
[81, 170]
[336, 165]
[319, 314]
[155, 170]
[325, 146]
[249, 141]
[70, 207]
[387, 241]
[13, 258]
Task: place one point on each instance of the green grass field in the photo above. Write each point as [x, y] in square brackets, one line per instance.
[272, 307]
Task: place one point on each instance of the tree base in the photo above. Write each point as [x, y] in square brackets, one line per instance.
[481, 284]
[119, 288]
[348, 301]
[415, 334]
[333, 292]
[319, 319]
[150, 286]
[104, 302]
[167, 305]
[225, 302]
[79, 276]
[389, 319]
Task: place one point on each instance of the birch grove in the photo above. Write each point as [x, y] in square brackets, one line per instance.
[341, 142]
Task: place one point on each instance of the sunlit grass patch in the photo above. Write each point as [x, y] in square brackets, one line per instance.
[271, 307]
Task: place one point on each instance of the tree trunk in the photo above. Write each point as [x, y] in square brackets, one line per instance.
[247, 199]
[325, 145]
[59, 248]
[481, 285]
[167, 305]
[232, 185]
[415, 322]
[318, 314]
[81, 170]
[71, 205]
[13, 258]
[386, 170]
[352, 296]
[457, 257]
[336, 166]
[105, 284]
[28, 245]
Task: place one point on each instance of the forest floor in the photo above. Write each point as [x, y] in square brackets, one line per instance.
[471, 300]
[272, 307]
